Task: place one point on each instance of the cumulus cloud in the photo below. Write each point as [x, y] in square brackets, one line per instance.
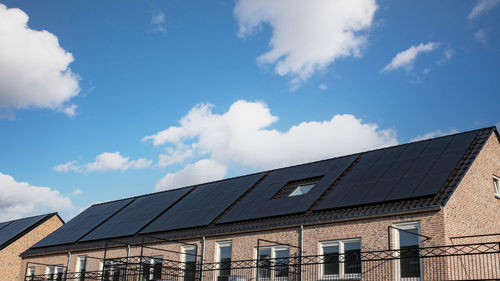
[242, 137]
[204, 170]
[406, 59]
[480, 36]
[20, 199]
[107, 161]
[448, 55]
[434, 134]
[158, 21]
[481, 7]
[34, 69]
[307, 36]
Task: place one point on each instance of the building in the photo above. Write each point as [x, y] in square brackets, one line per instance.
[19, 235]
[416, 211]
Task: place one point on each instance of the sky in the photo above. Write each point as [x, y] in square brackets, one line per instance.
[102, 100]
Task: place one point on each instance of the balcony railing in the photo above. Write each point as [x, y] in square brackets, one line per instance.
[460, 262]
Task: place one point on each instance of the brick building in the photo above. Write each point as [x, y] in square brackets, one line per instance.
[17, 236]
[396, 203]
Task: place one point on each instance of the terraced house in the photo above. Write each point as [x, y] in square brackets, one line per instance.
[427, 210]
[16, 236]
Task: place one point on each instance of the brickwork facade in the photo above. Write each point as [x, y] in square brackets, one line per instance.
[10, 260]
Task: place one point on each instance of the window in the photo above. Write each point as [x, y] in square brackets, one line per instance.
[341, 258]
[81, 266]
[54, 273]
[189, 259]
[151, 268]
[302, 189]
[30, 273]
[297, 187]
[496, 186]
[51, 273]
[407, 241]
[157, 266]
[277, 257]
[224, 254]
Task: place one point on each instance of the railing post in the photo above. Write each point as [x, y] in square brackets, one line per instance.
[140, 259]
[104, 260]
[67, 267]
[126, 262]
[258, 257]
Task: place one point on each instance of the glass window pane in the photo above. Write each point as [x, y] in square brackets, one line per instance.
[409, 252]
[352, 256]
[302, 189]
[282, 262]
[190, 264]
[331, 260]
[264, 262]
[225, 260]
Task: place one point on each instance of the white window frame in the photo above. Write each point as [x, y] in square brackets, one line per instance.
[78, 259]
[219, 245]
[405, 226]
[31, 271]
[51, 269]
[340, 243]
[183, 257]
[152, 261]
[496, 186]
[273, 249]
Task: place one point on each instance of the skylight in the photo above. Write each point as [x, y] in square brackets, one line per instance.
[302, 189]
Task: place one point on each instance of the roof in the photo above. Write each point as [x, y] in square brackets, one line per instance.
[413, 177]
[12, 230]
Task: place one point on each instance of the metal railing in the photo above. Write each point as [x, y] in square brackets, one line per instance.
[479, 261]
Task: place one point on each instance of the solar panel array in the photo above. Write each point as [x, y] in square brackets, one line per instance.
[413, 170]
[407, 171]
[83, 223]
[136, 215]
[11, 229]
[260, 203]
[204, 204]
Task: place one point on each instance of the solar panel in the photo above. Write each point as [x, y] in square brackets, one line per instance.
[204, 204]
[408, 171]
[13, 228]
[261, 202]
[83, 223]
[129, 220]
[4, 224]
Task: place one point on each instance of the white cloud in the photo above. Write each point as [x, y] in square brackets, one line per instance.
[106, 161]
[173, 156]
[34, 69]
[480, 36]
[323, 87]
[307, 36]
[434, 134]
[158, 20]
[242, 136]
[204, 170]
[76, 192]
[481, 7]
[406, 59]
[448, 55]
[20, 199]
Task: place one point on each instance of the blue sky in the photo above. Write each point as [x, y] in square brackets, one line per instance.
[258, 84]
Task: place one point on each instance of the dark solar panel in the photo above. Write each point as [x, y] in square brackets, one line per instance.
[136, 215]
[83, 223]
[11, 229]
[260, 203]
[408, 171]
[204, 204]
[4, 224]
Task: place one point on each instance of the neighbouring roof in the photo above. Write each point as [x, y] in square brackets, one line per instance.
[12, 230]
[409, 177]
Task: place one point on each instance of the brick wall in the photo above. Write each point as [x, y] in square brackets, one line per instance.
[473, 208]
[10, 261]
